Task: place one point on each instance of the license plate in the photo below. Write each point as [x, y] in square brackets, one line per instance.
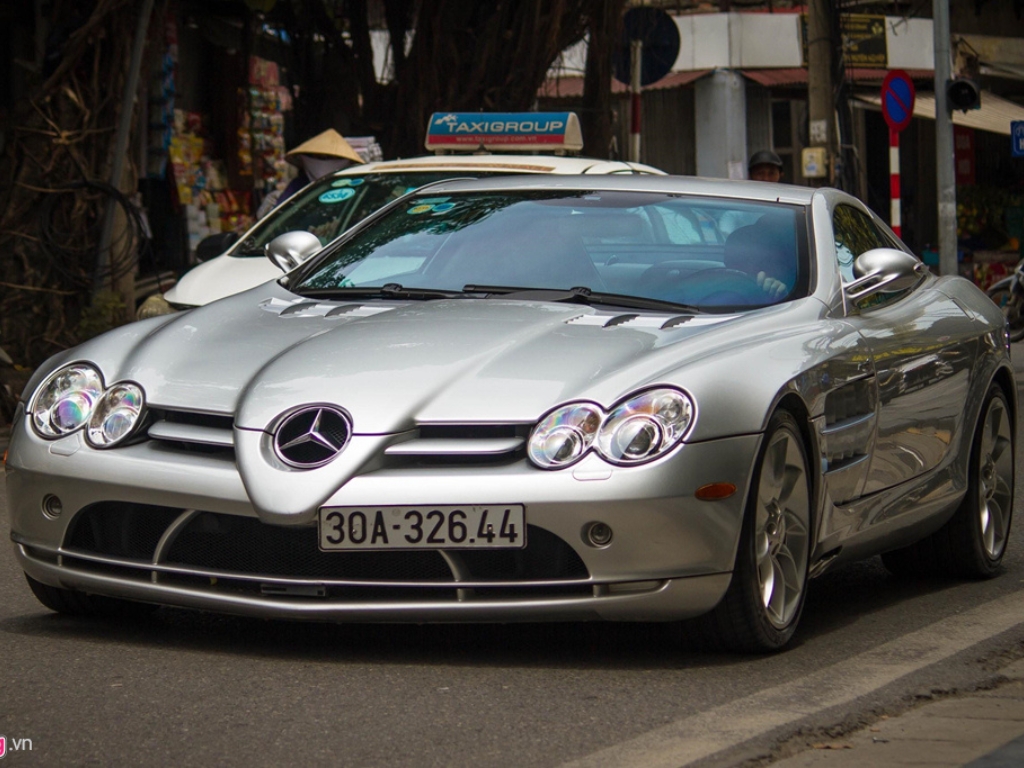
[501, 526]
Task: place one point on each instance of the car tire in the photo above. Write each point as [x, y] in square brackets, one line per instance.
[71, 602]
[972, 543]
[764, 601]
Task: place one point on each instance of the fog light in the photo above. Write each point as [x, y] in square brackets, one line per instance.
[597, 534]
[52, 506]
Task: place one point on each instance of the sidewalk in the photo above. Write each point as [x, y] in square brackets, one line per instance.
[980, 730]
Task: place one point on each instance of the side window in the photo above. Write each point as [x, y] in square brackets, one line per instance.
[855, 234]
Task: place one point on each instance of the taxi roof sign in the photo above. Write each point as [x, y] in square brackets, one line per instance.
[551, 132]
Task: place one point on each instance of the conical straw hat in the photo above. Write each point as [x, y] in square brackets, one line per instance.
[330, 142]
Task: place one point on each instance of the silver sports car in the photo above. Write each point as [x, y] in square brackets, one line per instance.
[543, 398]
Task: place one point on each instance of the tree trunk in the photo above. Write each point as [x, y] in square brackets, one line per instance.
[597, 118]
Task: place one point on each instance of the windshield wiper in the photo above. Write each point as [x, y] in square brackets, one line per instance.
[386, 291]
[579, 295]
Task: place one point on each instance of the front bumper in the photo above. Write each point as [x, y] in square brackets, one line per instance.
[670, 557]
[665, 599]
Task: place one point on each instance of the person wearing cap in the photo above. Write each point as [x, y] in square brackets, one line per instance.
[765, 166]
[325, 153]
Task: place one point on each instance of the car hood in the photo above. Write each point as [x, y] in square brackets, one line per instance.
[392, 365]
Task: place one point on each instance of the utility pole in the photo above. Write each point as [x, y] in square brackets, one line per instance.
[821, 109]
[945, 163]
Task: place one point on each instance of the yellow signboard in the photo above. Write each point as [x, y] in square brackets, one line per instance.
[864, 43]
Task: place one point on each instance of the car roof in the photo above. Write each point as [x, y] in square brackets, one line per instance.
[692, 185]
[501, 163]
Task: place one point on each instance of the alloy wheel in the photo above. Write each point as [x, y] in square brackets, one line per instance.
[782, 528]
[995, 478]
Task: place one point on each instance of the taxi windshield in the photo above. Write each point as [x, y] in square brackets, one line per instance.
[333, 204]
[698, 251]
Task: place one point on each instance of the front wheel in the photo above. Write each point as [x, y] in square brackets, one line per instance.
[765, 599]
[1011, 302]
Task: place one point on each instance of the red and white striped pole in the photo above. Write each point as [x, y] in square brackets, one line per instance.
[895, 220]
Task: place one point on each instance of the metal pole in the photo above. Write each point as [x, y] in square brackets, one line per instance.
[945, 163]
[895, 210]
[820, 104]
[636, 48]
[124, 125]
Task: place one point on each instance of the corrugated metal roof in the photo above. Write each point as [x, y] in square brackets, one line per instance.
[572, 87]
[994, 116]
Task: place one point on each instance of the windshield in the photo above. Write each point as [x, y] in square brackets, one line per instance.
[698, 251]
[333, 204]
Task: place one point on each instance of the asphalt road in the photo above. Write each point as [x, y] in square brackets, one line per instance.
[214, 690]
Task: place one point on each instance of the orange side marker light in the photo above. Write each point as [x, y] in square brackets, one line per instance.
[715, 491]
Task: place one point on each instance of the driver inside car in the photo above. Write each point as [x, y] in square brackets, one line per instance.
[764, 251]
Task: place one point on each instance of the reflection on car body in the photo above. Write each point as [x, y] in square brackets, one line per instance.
[519, 399]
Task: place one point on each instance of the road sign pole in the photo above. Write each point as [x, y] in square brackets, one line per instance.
[898, 95]
[895, 214]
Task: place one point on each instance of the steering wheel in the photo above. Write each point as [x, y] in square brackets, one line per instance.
[717, 286]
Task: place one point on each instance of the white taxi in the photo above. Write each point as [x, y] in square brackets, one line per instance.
[470, 145]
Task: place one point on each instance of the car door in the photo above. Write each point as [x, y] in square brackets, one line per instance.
[922, 345]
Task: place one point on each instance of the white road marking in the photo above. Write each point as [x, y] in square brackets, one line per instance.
[693, 738]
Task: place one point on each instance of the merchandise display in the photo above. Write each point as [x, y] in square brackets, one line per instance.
[261, 127]
[200, 183]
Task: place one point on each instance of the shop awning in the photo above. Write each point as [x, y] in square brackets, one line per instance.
[994, 116]
[571, 87]
[798, 75]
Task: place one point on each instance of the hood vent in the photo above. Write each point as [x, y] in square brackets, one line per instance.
[329, 309]
[618, 320]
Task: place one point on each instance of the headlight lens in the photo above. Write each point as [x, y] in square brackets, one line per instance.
[154, 306]
[564, 435]
[645, 426]
[66, 400]
[638, 429]
[115, 415]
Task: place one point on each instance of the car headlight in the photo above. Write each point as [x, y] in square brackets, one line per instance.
[66, 400]
[564, 436]
[645, 426]
[640, 428]
[115, 415]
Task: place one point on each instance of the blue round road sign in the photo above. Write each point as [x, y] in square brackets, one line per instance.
[660, 37]
[898, 99]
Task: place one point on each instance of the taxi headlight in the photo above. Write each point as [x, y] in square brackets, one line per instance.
[564, 436]
[116, 415]
[65, 401]
[645, 426]
[154, 306]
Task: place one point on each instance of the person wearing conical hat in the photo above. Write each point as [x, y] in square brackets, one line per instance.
[325, 153]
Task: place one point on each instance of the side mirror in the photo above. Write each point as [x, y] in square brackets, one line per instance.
[214, 245]
[289, 250]
[884, 270]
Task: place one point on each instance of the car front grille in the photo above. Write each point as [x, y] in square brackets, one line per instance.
[193, 432]
[428, 445]
[460, 444]
[230, 553]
